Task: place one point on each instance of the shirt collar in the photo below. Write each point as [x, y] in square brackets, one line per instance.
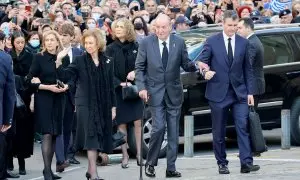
[68, 46]
[226, 37]
[167, 41]
[249, 35]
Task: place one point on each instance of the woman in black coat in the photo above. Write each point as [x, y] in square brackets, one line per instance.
[22, 143]
[49, 97]
[124, 51]
[94, 99]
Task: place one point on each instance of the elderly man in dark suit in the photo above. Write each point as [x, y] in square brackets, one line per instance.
[158, 63]
[7, 102]
[256, 57]
[229, 87]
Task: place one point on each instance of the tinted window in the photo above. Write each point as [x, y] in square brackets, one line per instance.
[276, 49]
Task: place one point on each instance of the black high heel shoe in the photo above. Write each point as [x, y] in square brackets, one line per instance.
[54, 176]
[88, 177]
[125, 165]
[47, 175]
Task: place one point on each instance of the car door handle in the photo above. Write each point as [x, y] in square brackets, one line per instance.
[293, 73]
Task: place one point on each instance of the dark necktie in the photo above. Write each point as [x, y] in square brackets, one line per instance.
[230, 53]
[165, 55]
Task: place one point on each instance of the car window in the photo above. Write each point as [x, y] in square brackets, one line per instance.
[276, 50]
[194, 51]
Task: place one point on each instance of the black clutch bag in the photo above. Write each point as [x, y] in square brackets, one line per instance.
[130, 92]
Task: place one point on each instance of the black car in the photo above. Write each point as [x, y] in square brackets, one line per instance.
[281, 68]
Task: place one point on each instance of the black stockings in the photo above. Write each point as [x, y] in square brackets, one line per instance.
[48, 147]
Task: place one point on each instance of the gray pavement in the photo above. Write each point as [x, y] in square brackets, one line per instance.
[275, 164]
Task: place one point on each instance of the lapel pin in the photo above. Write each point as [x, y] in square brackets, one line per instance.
[134, 51]
[107, 61]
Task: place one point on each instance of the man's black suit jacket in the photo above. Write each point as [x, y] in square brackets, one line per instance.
[256, 57]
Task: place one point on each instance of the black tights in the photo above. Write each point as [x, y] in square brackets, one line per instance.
[48, 147]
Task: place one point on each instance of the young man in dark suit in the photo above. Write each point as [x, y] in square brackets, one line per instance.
[7, 103]
[158, 63]
[67, 33]
[229, 87]
[255, 55]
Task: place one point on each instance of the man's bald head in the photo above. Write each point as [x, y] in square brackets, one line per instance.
[163, 18]
[163, 26]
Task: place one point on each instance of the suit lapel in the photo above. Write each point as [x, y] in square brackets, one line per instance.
[223, 48]
[236, 50]
[172, 47]
[156, 50]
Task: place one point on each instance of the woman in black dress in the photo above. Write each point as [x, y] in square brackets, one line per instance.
[94, 99]
[49, 97]
[124, 51]
[22, 144]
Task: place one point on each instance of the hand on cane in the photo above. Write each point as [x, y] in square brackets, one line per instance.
[144, 95]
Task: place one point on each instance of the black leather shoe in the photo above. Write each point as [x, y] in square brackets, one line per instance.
[10, 174]
[150, 171]
[223, 169]
[172, 174]
[246, 168]
[73, 161]
[22, 171]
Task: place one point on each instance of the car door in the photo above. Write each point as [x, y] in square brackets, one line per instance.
[279, 62]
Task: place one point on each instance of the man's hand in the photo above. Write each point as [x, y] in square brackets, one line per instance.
[250, 100]
[4, 128]
[131, 76]
[144, 95]
[209, 74]
[202, 66]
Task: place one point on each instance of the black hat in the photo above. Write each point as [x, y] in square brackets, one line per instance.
[284, 12]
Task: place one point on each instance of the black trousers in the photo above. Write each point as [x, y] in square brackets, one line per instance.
[68, 125]
[3, 156]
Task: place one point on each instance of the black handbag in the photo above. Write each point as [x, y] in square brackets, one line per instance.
[257, 138]
[19, 102]
[117, 137]
[20, 107]
[130, 92]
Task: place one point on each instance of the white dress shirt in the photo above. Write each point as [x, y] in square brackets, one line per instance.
[161, 46]
[70, 54]
[249, 35]
[232, 42]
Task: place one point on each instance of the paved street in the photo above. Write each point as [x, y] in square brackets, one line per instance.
[275, 164]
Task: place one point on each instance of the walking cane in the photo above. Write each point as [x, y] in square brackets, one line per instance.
[142, 136]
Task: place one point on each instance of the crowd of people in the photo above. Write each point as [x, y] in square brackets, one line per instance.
[47, 41]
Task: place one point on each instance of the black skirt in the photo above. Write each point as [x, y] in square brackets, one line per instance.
[98, 142]
[128, 110]
[49, 112]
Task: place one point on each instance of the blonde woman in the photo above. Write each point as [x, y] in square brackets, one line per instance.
[95, 97]
[124, 51]
[49, 97]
